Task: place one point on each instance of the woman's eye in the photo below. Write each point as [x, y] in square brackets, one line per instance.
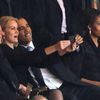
[13, 28]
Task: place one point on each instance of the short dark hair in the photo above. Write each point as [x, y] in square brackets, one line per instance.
[91, 16]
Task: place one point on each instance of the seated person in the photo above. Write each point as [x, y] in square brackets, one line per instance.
[91, 50]
[8, 78]
[25, 40]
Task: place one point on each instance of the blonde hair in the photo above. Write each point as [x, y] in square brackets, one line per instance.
[4, 20]
[3, 23]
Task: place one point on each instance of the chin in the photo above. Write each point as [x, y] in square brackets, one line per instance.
[16, 41]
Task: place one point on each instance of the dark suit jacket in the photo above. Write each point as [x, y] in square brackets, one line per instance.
[6, 93]
[16, 7]
[47, 20]
[69, 72]
[4, 5]
[8, 80]
[20, 56]
[21, 59]
[7, 73]
[38, 75]
[24, 75]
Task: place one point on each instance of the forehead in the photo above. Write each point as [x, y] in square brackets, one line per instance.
[11, 22]
[22, 22]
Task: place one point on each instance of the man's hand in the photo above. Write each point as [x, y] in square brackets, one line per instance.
[75, 44]
[66, 46]
[61, 45]
[78, 39]
[23, 89]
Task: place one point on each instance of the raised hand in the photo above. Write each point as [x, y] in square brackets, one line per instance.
[74, 45]
[61, 45]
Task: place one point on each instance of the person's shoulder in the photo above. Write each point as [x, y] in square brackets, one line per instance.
[1, 51]
[5, 48]
[3, 45]
[20, 48]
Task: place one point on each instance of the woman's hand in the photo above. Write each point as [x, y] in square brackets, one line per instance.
[23, 89]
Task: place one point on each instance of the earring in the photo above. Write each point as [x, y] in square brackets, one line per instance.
[89, 30]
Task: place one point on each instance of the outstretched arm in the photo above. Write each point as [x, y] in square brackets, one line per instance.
[97, 83]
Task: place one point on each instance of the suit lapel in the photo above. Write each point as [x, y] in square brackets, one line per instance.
[38, 75]
[57, 5]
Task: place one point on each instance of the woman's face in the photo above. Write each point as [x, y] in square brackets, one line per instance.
[95, 27]
[11, 32]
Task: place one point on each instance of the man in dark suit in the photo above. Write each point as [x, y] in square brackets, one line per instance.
[25, 40]
[54, 21]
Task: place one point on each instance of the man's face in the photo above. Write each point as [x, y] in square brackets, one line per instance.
[25, 32]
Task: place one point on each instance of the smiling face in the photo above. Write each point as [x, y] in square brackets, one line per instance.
[25, 32]
[11, 32]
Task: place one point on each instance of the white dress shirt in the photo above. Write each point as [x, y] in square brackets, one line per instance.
[29, 45]
[63, 27]
[51, 81]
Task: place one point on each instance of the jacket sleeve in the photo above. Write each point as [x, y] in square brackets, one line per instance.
[7, 73]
